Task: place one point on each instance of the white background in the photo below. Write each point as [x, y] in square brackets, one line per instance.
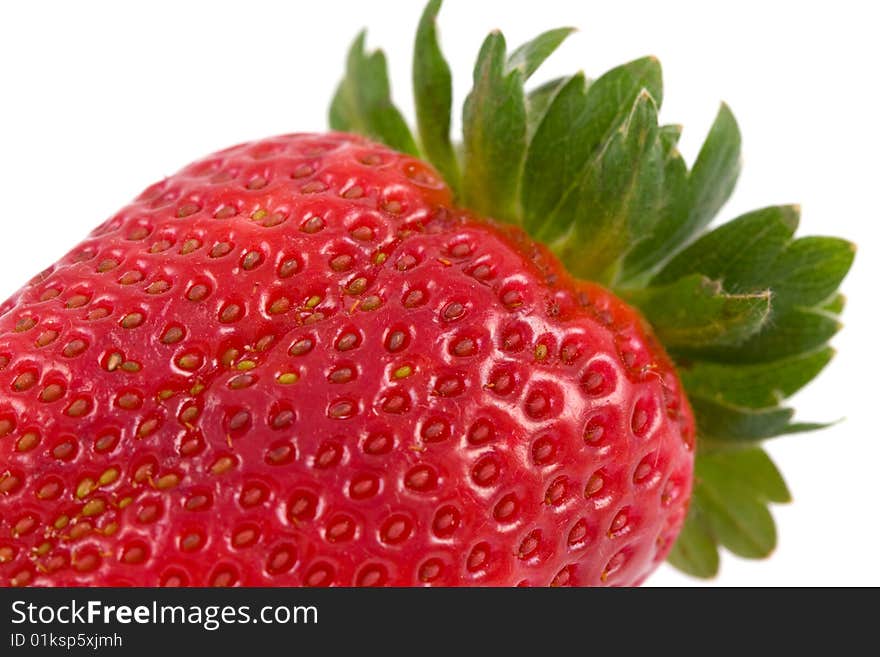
[101, 98]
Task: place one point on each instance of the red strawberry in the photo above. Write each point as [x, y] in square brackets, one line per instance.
[298, 362]
[297, 336]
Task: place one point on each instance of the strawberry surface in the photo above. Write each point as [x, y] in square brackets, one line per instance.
[297, 363]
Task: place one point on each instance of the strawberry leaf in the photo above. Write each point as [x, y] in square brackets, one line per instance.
[363, 101]
[578, 125]
[614, 199]
[738, 520]
[787, 334]
[724, 424]
[760, 385]
[802, 275]
[714, 174]
[674, 205]
[753, 470]
[710, 184]
[804, 427]
[810, 271]
[494, 133]
[834, 305]
[432, 85]
[495, 122]
[670, 134]
[740, 252]
[539, 100]
[696, 312]
[729, 506]
[696, 550]
[529, 56]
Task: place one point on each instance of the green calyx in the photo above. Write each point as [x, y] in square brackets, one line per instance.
[746, 310]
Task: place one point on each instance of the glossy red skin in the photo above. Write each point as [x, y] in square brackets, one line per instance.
[482, 464]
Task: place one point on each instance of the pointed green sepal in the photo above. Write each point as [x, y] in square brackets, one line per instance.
[759, 385]
[696, 550]
[363, 104]
[740, 252]
[738, 520]
[788, 334]
[810, 270]
[575, 130]
[722, 424]
[696, 312]
[714, 174]
[615, 199]
[710, 183]
[494, 133]
[729, 506]
[670, 134]
[529, 56]
[432, 86]
[538, 101]
[834, 305]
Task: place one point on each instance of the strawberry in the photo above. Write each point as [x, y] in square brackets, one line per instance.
[316, 360]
